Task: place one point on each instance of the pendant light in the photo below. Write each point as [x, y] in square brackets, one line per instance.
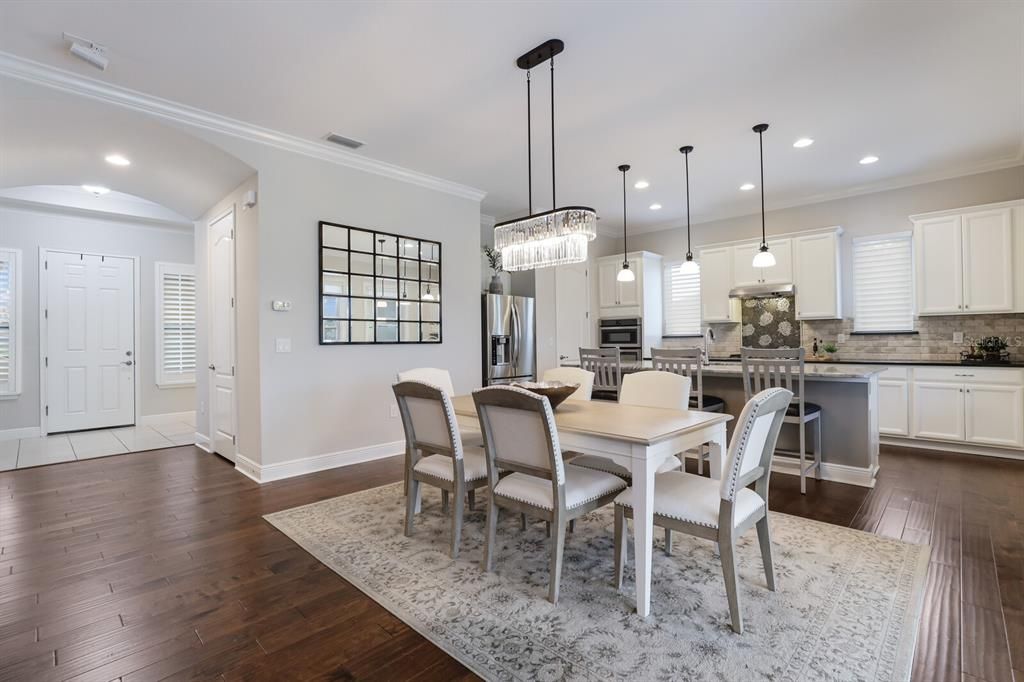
[554, 237]
[689, 266]
[625, 274]
[763, 258]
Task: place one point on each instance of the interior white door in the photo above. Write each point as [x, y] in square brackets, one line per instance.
[222, 335]
[993, 415]
[988, 261]
[572, 310]
[89, 309]
[938, 410]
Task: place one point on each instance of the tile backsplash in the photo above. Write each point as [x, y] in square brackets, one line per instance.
[770, 322]
[933, 342]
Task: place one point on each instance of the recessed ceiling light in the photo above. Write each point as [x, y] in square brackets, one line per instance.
[642, 184]
[747, 186]
[803, 142]
[655, 207]
[98, 190]
[870, 158]
[117, 160]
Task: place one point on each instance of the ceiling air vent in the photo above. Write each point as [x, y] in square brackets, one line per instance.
[343, 141]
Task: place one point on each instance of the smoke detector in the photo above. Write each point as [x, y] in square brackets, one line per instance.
[88, 51]
[343, 141]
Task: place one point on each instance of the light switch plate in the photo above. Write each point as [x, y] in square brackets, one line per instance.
[281, 306]
[958, 337]
[283, 345]
[393, 411]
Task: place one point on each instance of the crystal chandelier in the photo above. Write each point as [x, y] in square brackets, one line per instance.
[556, 237]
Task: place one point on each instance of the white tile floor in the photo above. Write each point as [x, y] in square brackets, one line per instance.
[68, 447]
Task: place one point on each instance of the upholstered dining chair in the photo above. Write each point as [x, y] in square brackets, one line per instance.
[721, 510]
[690, 363]
[784, 367]
[573, 375]
[436, 454]
[520, 437]
[645, 389]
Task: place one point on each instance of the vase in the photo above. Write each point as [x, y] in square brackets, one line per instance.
[496, 286]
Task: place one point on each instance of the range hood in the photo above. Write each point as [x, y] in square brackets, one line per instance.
[763, 291]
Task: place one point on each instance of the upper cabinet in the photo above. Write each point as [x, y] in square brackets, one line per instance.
[964, 260]
[614, 294]
[715, 282]
[816, 274]
[745, 274]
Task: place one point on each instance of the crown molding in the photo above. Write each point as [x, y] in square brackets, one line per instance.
[48, 76]
[487, 221]
[96, 214]
[873, 188]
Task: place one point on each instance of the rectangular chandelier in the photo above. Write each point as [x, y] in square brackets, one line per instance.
[557, 237]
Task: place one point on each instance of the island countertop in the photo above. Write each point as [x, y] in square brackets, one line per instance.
[812, 371]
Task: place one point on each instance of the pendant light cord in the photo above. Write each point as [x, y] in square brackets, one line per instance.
[689, 249]
[760, 142]
[529, 147]
[625, 249]
[554, 201]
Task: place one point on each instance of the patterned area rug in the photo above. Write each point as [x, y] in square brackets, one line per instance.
[847, 606]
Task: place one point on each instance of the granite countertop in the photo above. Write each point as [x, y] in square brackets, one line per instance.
[817, 371]
[896, 363]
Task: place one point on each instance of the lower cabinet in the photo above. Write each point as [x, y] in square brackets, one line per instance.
[893, 407]
[994, 415]
[938, 411]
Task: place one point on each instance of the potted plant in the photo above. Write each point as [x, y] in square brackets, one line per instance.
[830, 350]
[494, 261]
[992, 348]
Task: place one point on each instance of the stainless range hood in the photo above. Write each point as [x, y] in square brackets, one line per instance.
[763, 291]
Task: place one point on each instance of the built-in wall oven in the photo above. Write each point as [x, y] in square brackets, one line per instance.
[624, 333]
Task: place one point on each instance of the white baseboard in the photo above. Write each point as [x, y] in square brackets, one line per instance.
[16, 434]
[150, 419]
[946, 446]
[264, 473]
[203, 442]
[839, 473]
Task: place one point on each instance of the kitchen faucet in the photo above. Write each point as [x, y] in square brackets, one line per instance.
[709, 337]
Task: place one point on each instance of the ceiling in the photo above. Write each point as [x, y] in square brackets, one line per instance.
[50, 138]
[933, 89]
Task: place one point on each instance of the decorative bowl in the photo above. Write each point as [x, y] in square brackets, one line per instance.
[556, 391]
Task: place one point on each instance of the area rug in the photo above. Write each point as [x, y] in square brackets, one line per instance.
[847, 604]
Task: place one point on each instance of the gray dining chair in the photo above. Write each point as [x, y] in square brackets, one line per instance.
[784, 367]
[689, 362]
[520, 437]
[606, 364]
[435, 453]
[721, 510]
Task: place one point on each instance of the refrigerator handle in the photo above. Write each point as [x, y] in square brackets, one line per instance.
[515, 333]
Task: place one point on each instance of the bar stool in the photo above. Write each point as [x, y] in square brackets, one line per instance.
[784, 368]
[606, 364]
[689, 363]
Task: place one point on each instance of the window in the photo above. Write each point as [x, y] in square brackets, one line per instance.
[682, 301]
[10, 319]
[883, 283]
[175, 324]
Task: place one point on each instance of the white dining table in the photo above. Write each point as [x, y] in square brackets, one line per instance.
[638, 438]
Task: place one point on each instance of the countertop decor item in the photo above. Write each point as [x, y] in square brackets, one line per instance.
[991, 348]
[377, 287]
[494, 262]
[556, 237]
[556, 391]
[830, 350]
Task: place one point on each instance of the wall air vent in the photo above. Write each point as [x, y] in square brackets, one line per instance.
[343, 141]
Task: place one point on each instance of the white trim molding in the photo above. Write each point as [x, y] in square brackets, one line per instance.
[17, 434]
[951, 447]
[203, 442]
[265, 473]
[839, 473]
[151, 419]
[13, 66]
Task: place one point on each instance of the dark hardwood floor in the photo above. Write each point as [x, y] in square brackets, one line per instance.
[158, 565]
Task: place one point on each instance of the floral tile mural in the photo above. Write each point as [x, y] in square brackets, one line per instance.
[770, 323]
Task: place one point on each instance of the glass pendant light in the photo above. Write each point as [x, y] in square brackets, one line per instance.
[554, 237]
[625, 274]
[689, 266]
[763, 258]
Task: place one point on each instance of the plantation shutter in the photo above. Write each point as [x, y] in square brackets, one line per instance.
[883, 281]
[681, 300]
[176, 333]
[6, 321]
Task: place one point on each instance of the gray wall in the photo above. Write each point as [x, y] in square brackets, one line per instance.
[28, 229]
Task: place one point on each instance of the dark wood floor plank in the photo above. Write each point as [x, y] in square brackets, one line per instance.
[985, 651]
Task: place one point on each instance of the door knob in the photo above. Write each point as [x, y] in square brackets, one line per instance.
[213, 368]
[128, 363]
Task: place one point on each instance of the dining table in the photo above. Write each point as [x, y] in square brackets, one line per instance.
[638, 438]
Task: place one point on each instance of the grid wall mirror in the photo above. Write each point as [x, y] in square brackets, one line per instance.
[377, 287]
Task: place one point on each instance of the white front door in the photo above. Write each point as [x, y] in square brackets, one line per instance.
[572, 310]
[222, 335]
[90, 341]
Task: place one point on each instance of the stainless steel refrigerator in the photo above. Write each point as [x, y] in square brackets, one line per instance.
[508, 337]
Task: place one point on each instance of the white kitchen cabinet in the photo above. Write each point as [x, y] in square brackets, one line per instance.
[611, 292]
[964, 261]
[816, 274]
[745, 274]
[629, 292]
[994, 415]
[938, 410]
[987, 244]
[716, 280]
[607, 287]
[894, 402]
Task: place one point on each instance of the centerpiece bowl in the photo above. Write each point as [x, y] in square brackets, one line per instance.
[556, 391]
